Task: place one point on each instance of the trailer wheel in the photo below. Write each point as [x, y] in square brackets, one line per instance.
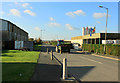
[69, 52]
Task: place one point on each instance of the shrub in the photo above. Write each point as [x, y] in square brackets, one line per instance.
[110, 48]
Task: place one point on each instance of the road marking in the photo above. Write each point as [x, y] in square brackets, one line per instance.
[92, 60]
[106, 57]
[101, 56]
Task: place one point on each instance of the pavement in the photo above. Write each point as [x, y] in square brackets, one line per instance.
[49, 70]
[46, 69]
[87, 67]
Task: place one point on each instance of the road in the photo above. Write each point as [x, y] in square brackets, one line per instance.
[87, 67]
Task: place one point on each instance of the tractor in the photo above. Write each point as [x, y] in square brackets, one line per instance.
[63, 47]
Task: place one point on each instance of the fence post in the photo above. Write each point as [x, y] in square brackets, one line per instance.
[64, 68]
[51, 55]
[47, 51]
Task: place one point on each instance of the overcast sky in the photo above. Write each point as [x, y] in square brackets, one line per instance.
[60, 20]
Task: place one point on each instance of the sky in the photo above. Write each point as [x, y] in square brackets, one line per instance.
[60, 20]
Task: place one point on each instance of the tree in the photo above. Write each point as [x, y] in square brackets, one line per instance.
[39, 40]
[31, 39]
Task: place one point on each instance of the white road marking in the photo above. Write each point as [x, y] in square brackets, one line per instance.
[106, 57]
[92, 60]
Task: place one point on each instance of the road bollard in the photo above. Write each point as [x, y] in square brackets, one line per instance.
[96, 51]
[64, 68]
[51, 55]
[47, 51]
[60, 52]
[83, 49]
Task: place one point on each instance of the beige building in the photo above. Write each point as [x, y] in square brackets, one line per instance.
[96, 38]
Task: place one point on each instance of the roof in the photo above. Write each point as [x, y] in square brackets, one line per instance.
[14, 25]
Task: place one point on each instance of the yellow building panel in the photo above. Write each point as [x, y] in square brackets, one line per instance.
[96, 35]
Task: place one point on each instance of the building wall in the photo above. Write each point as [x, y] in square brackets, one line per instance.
[80, 41]
[95, 38]
[11, 32]
[111, 36]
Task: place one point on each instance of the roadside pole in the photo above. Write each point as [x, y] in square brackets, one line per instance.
[64, 68]
[47, 51]
[51, 55]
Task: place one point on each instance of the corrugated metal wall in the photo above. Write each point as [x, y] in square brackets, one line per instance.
[10, 33]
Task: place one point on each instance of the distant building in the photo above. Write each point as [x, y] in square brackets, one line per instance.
[10, 33]
[96, 38]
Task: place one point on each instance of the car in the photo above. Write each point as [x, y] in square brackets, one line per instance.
[77, 46]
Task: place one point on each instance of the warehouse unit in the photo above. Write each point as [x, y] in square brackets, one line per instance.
[96, 38]
[10, 33]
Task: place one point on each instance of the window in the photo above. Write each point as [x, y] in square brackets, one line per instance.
[4, 25]
[9, 27]
[0, 24]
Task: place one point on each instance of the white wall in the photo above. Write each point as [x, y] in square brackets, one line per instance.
[80, 41]
[18, 44]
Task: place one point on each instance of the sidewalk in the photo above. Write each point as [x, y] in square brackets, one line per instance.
[47, 69]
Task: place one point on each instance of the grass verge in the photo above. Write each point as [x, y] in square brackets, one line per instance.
[18, 65]
[37, 47]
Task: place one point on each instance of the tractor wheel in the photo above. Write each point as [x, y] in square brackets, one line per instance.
[68, 51]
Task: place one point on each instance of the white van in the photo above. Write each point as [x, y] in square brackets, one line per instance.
[77, 46]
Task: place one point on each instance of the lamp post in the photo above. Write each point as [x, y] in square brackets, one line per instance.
[106, 24]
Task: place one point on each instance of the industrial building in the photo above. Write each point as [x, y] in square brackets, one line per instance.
[96, 38]
[10, 33]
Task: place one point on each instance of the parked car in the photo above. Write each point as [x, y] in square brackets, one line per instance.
[77, 46]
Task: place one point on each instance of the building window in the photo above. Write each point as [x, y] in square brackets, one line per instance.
[0, 24]
[4, 25]
[9, 27]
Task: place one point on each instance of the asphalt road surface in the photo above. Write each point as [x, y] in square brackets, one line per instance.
[87, 67]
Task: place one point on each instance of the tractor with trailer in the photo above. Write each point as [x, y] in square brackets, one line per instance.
[63, 47]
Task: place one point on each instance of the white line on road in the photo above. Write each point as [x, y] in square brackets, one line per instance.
[92, 60]
[106, 57]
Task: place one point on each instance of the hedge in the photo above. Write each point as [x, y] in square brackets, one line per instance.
[53, 43]
[111, 49]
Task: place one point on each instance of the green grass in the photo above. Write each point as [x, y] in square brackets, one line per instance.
[37, 47]
[16, 62]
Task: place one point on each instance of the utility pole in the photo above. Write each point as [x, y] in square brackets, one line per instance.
[106, 27]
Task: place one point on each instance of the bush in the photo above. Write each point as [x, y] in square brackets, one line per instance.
[53, 43]
[111, 49]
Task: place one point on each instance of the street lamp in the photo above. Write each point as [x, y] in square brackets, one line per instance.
[106, 24]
